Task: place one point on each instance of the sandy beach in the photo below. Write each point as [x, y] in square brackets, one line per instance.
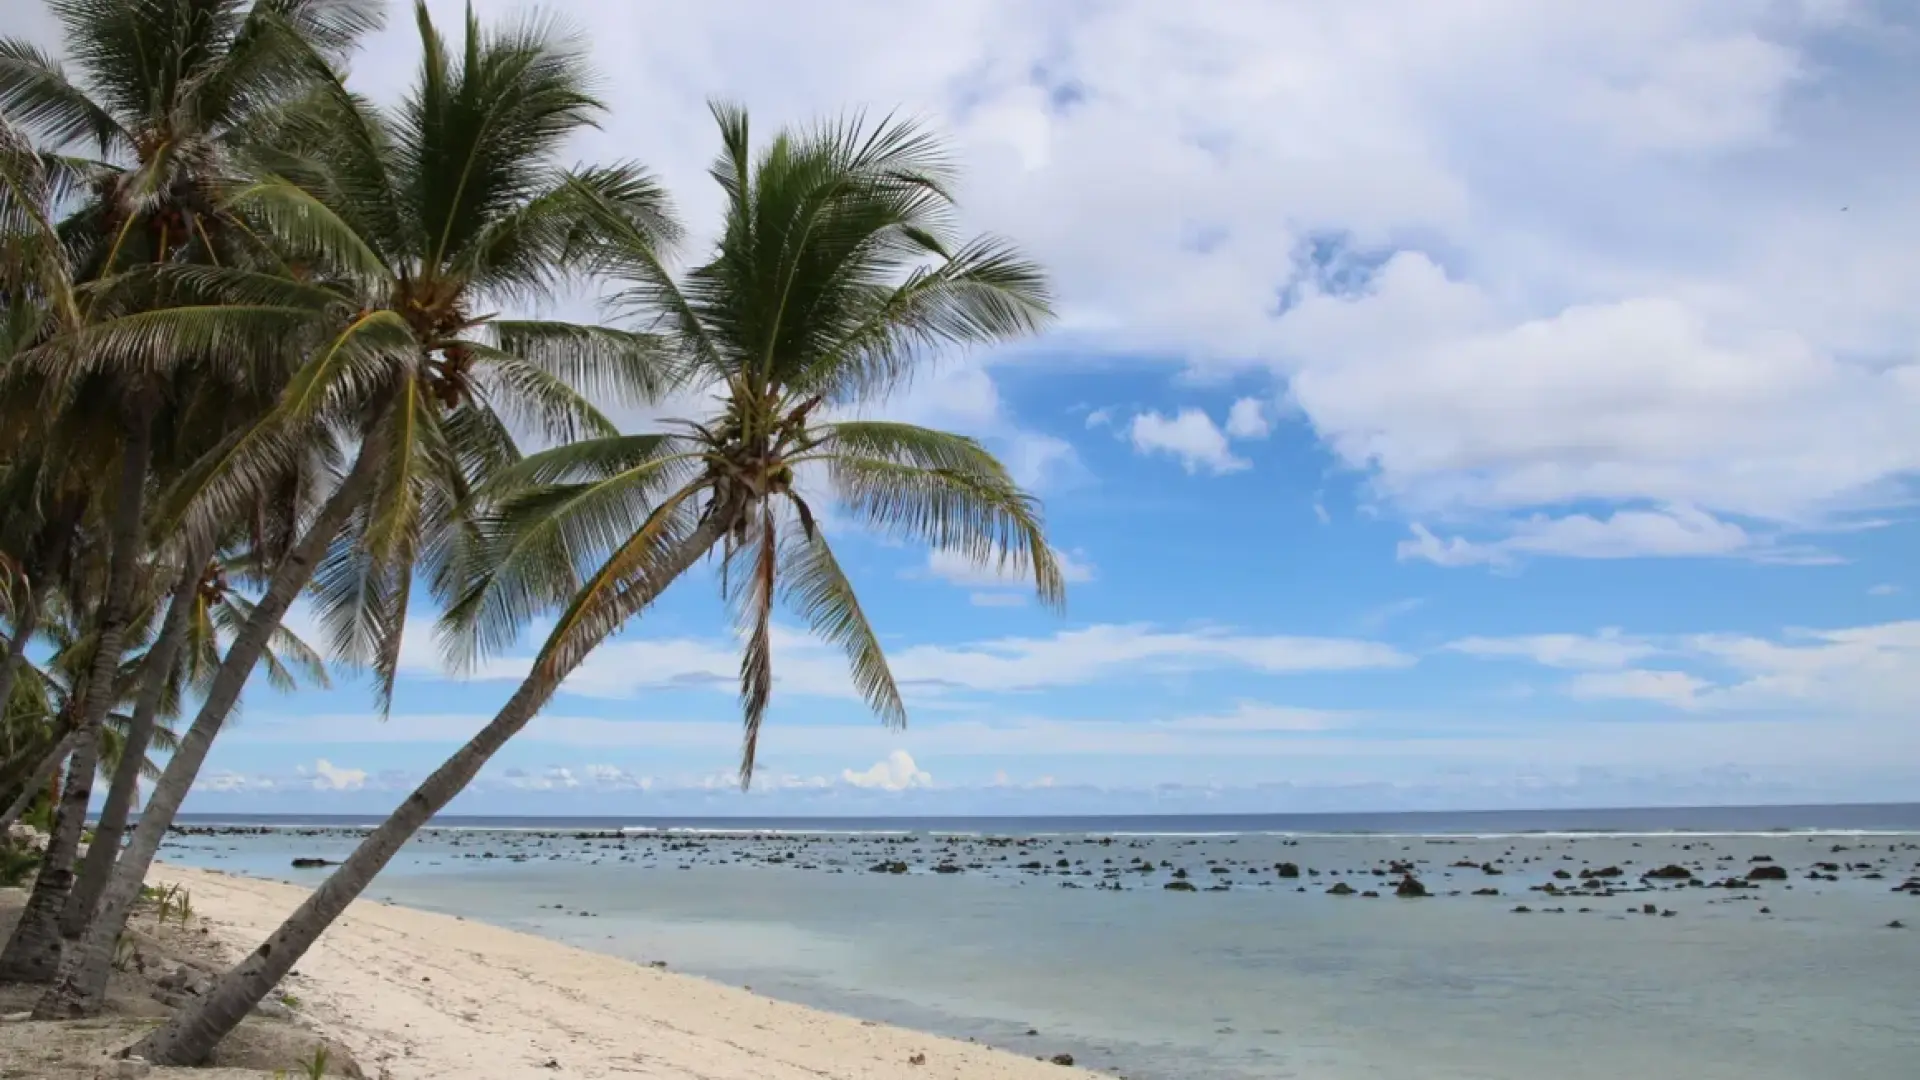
[420, 995]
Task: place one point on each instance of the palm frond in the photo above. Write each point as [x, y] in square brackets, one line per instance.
[984, 519]
[672, 538]
[307, 227]
[984, 293]
[813, 583]
[541, 537]
[615, 366]
[754, 608]
[35, 92]
[479, 131]
[537, 401]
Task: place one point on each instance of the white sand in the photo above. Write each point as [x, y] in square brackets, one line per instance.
[431, 996]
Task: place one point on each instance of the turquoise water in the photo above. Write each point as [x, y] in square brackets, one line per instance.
[1254, 979]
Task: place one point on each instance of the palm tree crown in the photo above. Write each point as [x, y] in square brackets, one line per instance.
[836, 273]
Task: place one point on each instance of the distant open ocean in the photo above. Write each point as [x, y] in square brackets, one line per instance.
[1182, 948]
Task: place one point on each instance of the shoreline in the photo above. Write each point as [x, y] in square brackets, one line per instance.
[416, 994]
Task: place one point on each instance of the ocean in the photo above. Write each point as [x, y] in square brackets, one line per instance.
[1184, 948]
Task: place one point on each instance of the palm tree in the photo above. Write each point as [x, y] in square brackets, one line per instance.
[204, 610]
[835, 276]
[172, 85]
[36, 286]
[409, 228]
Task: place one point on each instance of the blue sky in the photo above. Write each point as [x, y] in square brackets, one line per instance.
[1452, 405]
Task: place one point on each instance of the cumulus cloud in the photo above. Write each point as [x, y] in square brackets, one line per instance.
[1500, 261]
[897, 773]
[328, 777]
[1248, 420]
[1190, 436]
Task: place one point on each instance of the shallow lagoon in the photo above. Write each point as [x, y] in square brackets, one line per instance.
[1246, 976]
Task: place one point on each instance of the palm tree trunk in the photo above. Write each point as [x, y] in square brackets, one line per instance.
[194, 1031]
[33, 952]
[80, 988]
[108, 831]
[30, 786]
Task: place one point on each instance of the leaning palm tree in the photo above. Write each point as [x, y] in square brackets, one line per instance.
[206, 610]
[411, 228]
[835, 276]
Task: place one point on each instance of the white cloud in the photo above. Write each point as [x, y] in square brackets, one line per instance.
[955, 567]
[1376, 619]
[1666, 687]
[613, 777]
[228, 781]
[1255, 717]
[1247, 419]
[554, 778]
[1502, 261]
[896, 773]
[805, 666]
[1863, 669]
[328, 777]
[1624, 534]
[1076, 657]
[1884, 589]
[1610, 648]
[1189, 435]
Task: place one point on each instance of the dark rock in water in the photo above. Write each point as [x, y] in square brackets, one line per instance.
[1603, 872]
[1562, 874]
[1761, 858]
[1410, 887]
[1369, 895]
[1489, 868]
[888, 868]
[1767, 873]
[1669, 872]
[1180, 886]
[1896, 925]
[1340, 888]
[1766, 911]
[309, 864]
[1522, 910]
[1061, 1059]
[946, 868]
[1649, 909]
[1486, 892]
[1287, 869]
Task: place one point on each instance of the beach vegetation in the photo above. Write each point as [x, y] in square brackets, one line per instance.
[256, 345]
